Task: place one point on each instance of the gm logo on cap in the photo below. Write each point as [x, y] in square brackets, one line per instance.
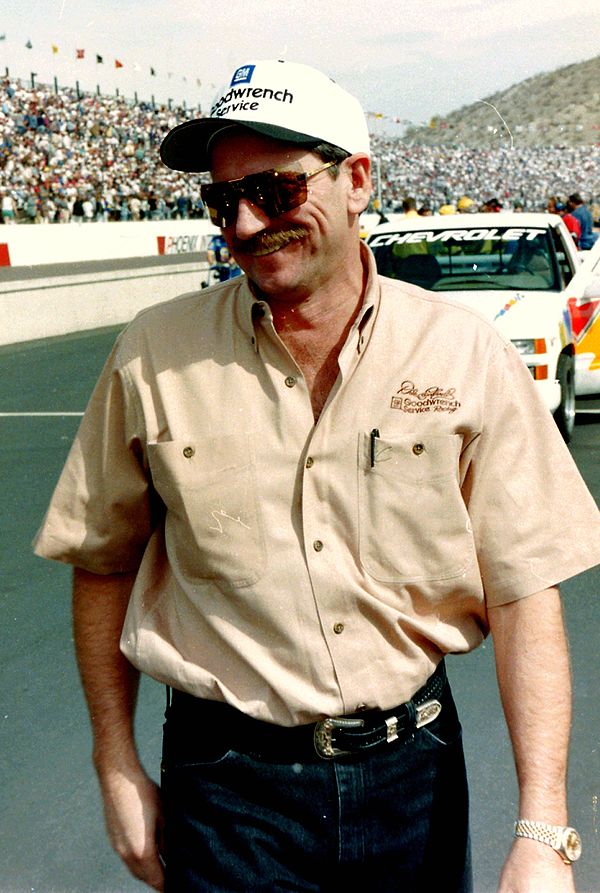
[243, 75]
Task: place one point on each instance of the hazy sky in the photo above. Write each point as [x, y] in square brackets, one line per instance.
[407, 60]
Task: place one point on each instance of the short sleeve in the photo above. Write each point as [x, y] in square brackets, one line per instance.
[101, 514]
[534, 521]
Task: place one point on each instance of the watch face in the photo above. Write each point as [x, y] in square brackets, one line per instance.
[572, 844]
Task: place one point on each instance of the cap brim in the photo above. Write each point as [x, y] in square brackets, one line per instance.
[186, 147]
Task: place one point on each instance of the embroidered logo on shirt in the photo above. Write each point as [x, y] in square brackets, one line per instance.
[408, 398]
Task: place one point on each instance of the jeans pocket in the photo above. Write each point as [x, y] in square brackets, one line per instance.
[189, 746]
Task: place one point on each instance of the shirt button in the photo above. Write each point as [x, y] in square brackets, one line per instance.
[317, 545]
[188, 452]
[310, 462]
[338, 628]
[290, 381]
[418, 448]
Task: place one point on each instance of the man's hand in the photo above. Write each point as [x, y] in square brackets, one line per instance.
[533, 867]
[133, 814]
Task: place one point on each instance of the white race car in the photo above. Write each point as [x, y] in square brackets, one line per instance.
[522, 271]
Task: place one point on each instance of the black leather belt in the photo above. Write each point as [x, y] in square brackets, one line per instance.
[333, 736]
[343, 735]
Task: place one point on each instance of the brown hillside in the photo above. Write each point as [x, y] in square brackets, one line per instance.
[558, 108]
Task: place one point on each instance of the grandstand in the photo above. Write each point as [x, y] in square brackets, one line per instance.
[64, 155]
[70, 156]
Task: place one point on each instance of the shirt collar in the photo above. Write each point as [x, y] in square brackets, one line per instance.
[253, 310]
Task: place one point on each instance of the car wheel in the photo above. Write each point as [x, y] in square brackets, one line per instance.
[565, 414]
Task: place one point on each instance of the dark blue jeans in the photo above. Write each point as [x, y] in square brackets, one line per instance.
[393, 820]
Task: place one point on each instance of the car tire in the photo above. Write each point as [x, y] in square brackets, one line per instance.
[565, 414]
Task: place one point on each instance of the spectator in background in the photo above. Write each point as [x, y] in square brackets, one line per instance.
[491, 206]
[578, 208]
[465, 205]
[556, 206]
[409, 207]
[89, 209]
[9, 208]
[77, 212]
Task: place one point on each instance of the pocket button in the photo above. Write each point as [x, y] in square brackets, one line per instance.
[188, 452]
[418, 448]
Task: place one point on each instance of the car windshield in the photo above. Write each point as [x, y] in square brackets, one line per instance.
[452, 259]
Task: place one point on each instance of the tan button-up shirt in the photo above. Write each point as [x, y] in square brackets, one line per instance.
[297, 570]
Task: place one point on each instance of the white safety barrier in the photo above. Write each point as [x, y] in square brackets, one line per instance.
[24, 245]
[73, 296]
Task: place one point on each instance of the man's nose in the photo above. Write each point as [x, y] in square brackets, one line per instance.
[250, 220]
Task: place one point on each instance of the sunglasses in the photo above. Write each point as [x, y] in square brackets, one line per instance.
[274, 192]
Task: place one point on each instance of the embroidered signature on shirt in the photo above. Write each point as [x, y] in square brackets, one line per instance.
[217, 514]
[409, 398]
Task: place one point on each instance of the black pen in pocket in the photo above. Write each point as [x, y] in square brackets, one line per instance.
[374, 436]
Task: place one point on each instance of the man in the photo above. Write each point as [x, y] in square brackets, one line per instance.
[465, 205]
[555, 206]
[409, 207]
[291, 495]
[578, 208]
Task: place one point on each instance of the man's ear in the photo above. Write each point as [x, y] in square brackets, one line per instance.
[358, 168]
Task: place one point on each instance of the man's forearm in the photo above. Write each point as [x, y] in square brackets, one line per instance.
[132, 804]
[535, 684]
[110, 682]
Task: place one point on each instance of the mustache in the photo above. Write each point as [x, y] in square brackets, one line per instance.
[268, 241]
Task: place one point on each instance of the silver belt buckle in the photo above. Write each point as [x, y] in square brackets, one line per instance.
[426, 713]
[323, 735]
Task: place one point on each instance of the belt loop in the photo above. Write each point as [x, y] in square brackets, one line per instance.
[412, 717]
[169, 692]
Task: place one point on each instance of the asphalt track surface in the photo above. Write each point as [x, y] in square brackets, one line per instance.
[51, 827]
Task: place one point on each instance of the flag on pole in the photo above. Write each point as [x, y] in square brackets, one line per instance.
[80, 54]
[118, 64]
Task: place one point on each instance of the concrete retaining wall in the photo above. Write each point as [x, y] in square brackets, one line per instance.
[47, 306]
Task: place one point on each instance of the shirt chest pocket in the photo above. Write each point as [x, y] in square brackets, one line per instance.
[413, 523]
[213, 528]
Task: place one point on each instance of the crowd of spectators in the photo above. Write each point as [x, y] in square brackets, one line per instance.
[65, 157]
[68, 156]
[521, 178]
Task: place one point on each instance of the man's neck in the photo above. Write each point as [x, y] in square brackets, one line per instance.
[315, 328]
[327, 309]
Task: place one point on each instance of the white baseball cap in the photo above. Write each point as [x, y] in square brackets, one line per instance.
[284, 100]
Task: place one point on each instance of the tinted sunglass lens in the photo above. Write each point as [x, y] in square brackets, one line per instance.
[291, 191]
[272, 192]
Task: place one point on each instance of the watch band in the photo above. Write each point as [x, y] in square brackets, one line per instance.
[564, 840]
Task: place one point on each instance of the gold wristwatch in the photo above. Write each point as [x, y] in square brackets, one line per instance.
[566, 841]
